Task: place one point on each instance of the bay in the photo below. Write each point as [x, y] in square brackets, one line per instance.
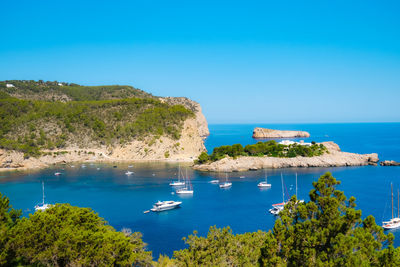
[121, 199]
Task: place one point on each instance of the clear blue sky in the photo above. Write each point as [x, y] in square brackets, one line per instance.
[244, 61]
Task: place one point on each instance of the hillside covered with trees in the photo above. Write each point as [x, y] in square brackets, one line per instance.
[325, 231]
[37, 116]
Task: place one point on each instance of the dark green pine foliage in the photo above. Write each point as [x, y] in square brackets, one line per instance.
[270, 148]
[327, 231]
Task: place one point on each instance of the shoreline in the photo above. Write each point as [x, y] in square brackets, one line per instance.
[334, 158]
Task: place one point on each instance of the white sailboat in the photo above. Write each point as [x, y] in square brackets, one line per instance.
[298, 200]
[226, 184]
[277, 208]
[128, 173]
[394, 222]
[264, 184]
[42, 206]
[179, 182]
[188, 189]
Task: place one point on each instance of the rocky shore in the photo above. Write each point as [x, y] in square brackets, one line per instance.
[263, 133]
[334, 158]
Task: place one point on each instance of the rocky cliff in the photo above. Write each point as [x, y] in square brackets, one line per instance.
[263, 133]
[334, 158]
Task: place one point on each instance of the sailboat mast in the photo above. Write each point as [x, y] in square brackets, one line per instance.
[283, 191]
[391, 185]
[43, 191]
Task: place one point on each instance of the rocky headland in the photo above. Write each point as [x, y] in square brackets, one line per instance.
[264, 133]
[155, 135]
[333, 158]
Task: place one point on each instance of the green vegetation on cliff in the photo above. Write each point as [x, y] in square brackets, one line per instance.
[270, 148]
[32, 125]
[326, 231]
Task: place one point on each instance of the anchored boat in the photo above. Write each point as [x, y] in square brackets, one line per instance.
[165, 205]
[394, 222]
[42, 206]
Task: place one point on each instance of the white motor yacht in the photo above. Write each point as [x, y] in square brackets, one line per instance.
[165, 205]
[214, 181]
[42, 206]
[57, 173]
[129, 173]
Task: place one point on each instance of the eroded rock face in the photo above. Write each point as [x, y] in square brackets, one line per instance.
[202, 124]
[389, 163]
[263, 133]
[334, 158]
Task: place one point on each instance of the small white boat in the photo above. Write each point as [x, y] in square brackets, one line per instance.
[264, 184]
[129, 173]
[226, 184]
[188, 189]
[179, 182]
[277, 208]
[242, 177]
[394, 222]
[165, 205]
[42, 206]
[214, 181]
[72, 166]
[57, 173]
[130, 166]
[98, 169]
[83, 166]
[183, 191]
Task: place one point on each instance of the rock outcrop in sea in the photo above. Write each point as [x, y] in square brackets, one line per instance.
[389, 163]
[264, 133]
[334, 158]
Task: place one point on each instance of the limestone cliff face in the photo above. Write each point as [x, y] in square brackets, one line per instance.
[334, 158]
[201, 121]
[262, 133]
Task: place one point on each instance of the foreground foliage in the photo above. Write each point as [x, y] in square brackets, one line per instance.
[326, 231]
[270, 148]
[69, 236]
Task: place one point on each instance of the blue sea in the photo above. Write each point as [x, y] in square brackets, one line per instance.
[121, 199]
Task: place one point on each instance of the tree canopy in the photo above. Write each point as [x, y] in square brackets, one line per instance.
[269, 148]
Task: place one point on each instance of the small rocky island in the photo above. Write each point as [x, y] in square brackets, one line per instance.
[389, 163]
[332, 156]
[264, 133]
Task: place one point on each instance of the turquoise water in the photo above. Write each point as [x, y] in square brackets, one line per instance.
[121, 199]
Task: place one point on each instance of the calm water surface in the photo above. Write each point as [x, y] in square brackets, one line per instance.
[121, 199]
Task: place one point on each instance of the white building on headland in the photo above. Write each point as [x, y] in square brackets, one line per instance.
[289, 142]
[60, 84]
[9, 85]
